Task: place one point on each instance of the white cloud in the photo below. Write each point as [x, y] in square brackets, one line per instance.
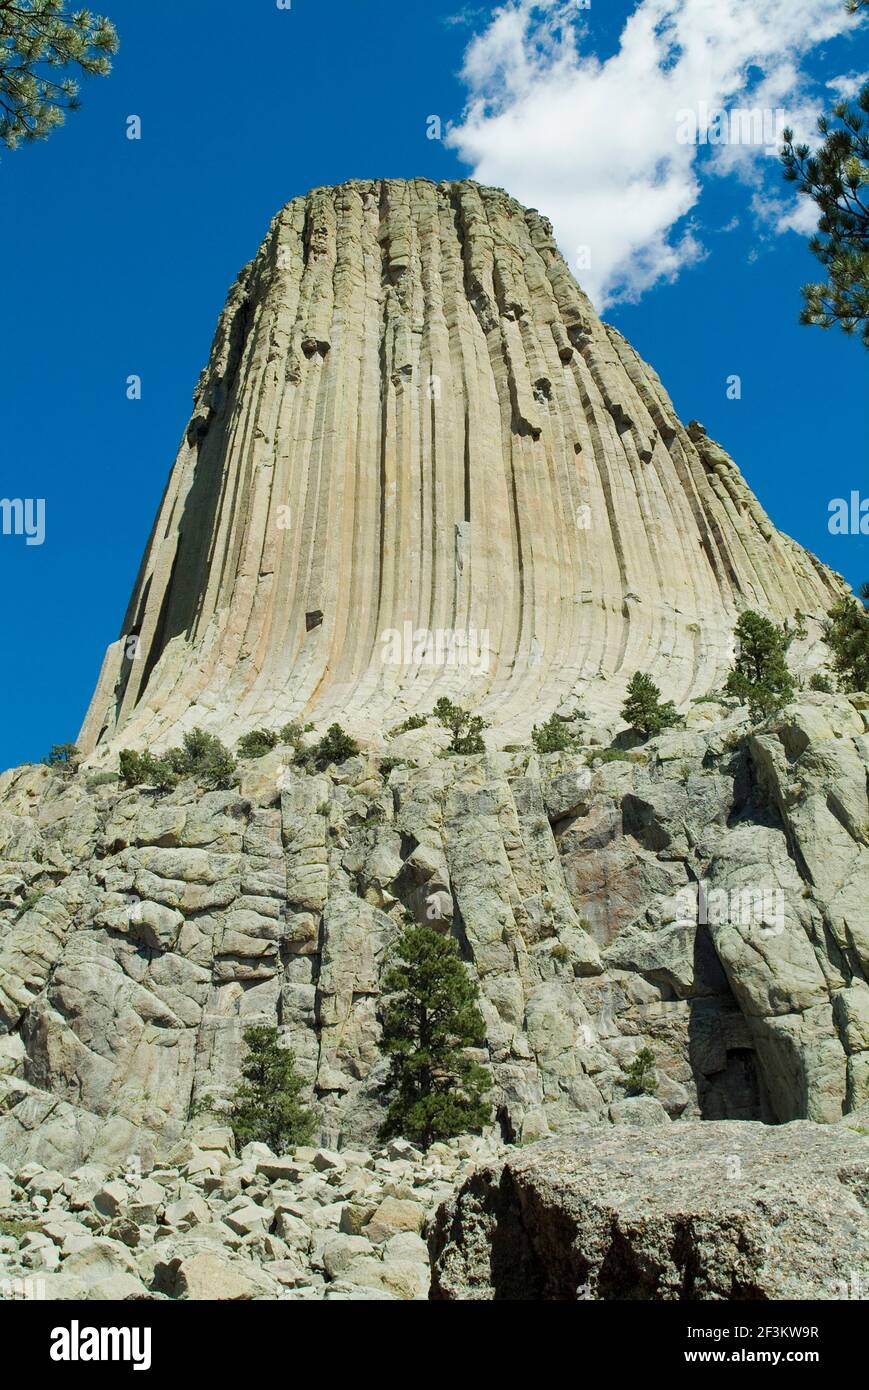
[800, 217]
[778, 215]
[593, 143]
[848, 84]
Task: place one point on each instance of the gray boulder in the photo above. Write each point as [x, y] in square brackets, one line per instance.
[683, 1211]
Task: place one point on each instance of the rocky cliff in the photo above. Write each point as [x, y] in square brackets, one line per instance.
[413, 421]
[705, 899]
[414, 430]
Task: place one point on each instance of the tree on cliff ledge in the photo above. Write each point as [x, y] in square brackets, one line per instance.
[760, 677]
[847, 636]
[643, 708]
[41, 46]
[432, 1018]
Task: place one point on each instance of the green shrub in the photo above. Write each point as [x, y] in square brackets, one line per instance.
[466, 728]
[847, 636]
[641, 1076]
[414, 721]
[63, 758]
[293, 733]
[257, 743]
[822, 683]
[643, 709]
[555, 736]
[101, 779]
[799, 629]
[612, 755]
[30, 901]
[144, 770]
[429, 1021]
[207, 1104]
[760, 677]
[266, 1107]
[205, 758]
[335, 747]
[201, 756]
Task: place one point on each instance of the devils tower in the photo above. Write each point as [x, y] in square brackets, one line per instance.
[419, 464]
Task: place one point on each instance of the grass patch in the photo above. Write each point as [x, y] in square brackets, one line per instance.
[30, 901]
[613, 755]
[17, 1229]
[101, 779]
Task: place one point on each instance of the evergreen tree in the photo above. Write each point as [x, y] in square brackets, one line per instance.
[432, 1017]
[836, 177]
[204, 757]
[555, 736]
[760, 678]
[144, 770]
[334, 748]
[643, 709]
[266, 1108]
[466, 728]
[641, 1076]
[293, 733]
[65, 758]
[41, 46]
[847, 636]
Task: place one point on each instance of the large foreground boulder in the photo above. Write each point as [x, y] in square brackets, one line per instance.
[690, 1211]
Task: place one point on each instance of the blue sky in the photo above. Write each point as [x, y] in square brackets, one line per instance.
[119, 253]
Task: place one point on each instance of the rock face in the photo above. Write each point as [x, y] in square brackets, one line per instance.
[713, 1211]
[420, 465]
[704, 899]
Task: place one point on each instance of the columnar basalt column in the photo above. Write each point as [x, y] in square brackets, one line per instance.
[413, 415]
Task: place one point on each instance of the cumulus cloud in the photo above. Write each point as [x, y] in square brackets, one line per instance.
[778, 215]
[848, 84]
[600, 145]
